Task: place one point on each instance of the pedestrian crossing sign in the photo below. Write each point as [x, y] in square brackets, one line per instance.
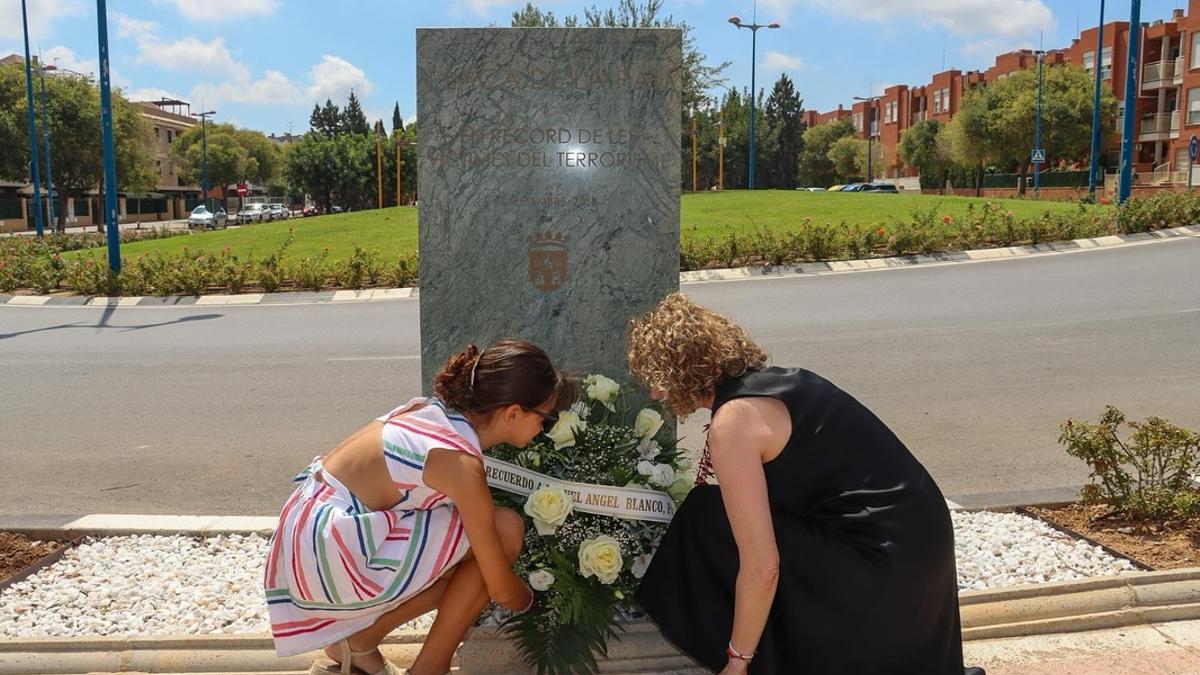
[1039, 156]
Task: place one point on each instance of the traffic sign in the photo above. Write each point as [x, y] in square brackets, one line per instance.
[1194, 147]
[1039, 156]
[241, 189]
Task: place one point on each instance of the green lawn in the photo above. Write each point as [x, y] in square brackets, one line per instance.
[393, 231]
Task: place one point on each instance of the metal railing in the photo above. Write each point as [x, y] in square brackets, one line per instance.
[1177, 78]
[1159, 74]
[1159, 127]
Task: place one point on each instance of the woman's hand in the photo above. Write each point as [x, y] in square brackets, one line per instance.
[519, 598]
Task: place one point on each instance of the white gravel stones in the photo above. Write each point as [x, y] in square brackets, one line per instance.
[179, 585]
[146, 585]
[1007, 549]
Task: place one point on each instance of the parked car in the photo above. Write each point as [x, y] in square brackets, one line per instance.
[252, 213]
[811, 189]
[335, 209]
[279, 211]
[882, 188]
[836, 188]
[203, 218]
[853, 187]
[312, 210]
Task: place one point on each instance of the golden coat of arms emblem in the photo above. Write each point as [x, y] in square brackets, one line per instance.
[548, 260]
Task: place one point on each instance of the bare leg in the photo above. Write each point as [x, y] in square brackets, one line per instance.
[464, 598]
[456, 593]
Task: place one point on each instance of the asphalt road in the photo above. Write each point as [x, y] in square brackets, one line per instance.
[199, 410]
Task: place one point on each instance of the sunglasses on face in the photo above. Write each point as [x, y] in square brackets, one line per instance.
[548, 419]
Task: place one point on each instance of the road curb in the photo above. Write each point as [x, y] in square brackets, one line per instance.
[1032, 610]
[813, 269]
[1045, 609]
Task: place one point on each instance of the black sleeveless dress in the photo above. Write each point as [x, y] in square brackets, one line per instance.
[867, 580]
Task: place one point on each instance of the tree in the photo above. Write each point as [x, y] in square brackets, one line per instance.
[814, 166]
[783, 114]
[697, 76]
[919, 147]
[234, 156]
[73, 111]
[326, 120]
[996, 124]
[333, 169]
[397, 121]
[845, 154]
[353, 120]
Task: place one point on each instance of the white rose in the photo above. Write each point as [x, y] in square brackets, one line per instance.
[648, 423]
[602, 557]
[648, 448]
[602, 390]
[548, 507]
[645, 468]
[541, 580]
[529, 459]
[662, 475]
[564, 430]
[640, 565]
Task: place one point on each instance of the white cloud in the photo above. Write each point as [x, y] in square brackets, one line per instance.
[64, 58]
[150, 94]
[1006, 18]
[781, 61]
[42, 16]
[192, 54]
[221, 10]
[334, 77]
[272, 88]
[481, 7]
[988, 48]
[128, 27]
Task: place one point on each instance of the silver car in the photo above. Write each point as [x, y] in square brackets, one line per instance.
[279, 211]
[203, 218]
[253, 213]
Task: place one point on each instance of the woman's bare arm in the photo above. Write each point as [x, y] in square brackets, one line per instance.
[743, 433]
[461, 477]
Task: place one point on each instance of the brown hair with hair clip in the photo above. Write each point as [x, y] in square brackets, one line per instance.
[509, 372]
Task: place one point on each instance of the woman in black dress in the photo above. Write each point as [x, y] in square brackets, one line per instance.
[827, 549]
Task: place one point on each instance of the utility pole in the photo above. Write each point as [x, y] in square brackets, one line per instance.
[721, 153]
[46, 135]
[1127, 137]
[753, 93]
[1096, 107]
[33, 145]
[693, 151]
[112, 226]
[204, 150]
[378, 166]
[1039, 152]
[399, 166]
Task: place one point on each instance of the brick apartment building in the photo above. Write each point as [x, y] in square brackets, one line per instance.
[1168, 77]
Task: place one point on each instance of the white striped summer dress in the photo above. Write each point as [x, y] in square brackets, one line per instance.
[333, 566]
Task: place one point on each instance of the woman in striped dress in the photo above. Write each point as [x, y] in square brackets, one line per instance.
[397, 520]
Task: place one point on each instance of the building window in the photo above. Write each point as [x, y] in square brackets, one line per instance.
[168, 136]
[157, 134]
[1195, 50]
[858, 121]
[1089, 61]
[1193, 109]
[937, 101]
[889, 111]
[1106, 63]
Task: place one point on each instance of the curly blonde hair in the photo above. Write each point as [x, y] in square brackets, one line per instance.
[683, 350]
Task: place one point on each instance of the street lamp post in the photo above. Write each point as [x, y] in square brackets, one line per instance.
[1127, 138]
[1096, 105]
[112, 225]
[33, 145]
[869, 117]
[1037, 141]
[204, 150]
[46, 136]
[753, 56]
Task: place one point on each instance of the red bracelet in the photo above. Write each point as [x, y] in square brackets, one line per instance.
[732, 653]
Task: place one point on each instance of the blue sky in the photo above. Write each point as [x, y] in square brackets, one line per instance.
[262, 63]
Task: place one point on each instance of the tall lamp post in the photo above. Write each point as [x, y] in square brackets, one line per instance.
[112, 226]
[753, 56]
[1037, 140]
[204, 150]
[869, 118]
[46, 136]
[1096, 106]
[33, 145]
[1131, 67]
